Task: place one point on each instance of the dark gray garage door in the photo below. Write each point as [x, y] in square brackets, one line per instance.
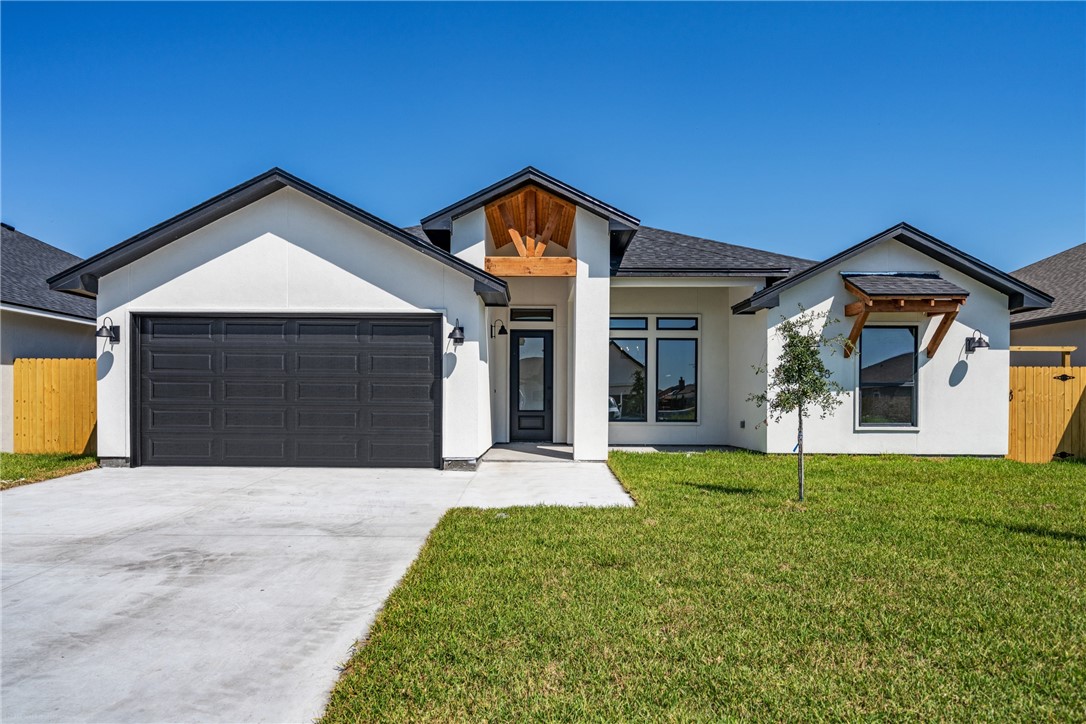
[300, 391]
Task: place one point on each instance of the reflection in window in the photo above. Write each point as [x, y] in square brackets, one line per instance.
[676, 380]
[626, 394]
[629, 323]
[531, 315]
[888, 376]
[676, 322]
[530, 373]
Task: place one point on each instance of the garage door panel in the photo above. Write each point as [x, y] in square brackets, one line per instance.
[267, 391]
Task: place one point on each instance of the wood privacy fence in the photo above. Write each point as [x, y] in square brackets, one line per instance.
[1048, 413]
[55, 406]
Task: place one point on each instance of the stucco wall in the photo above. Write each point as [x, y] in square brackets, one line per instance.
[33, 336]
[746, 350]
[1062, 333]
[962, 399]
[290, 254]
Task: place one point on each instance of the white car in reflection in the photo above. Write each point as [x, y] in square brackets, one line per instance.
[612, 409]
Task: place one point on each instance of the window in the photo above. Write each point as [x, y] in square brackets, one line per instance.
[676, 380]
[626, 393]
[629, 323]
[676, 322]
[888, 376]
[531, 315]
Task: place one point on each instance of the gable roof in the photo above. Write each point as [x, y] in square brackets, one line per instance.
[656, 252]
[1020, 296]
[438, 225]
[82, 278]
[27, 262]
[1064, 276]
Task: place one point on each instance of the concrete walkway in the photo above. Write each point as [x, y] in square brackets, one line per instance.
[209, 594]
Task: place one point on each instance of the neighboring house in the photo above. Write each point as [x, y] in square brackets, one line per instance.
[34, 320]
[276, 324]
[1063, 276]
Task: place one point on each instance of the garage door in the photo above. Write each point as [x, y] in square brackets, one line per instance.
[306, 391]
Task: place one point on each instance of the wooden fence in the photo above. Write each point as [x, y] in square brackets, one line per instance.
[1048, 413]
[55, 406]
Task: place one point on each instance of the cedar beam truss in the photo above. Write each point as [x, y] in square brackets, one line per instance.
[946, 307]
[531, 219]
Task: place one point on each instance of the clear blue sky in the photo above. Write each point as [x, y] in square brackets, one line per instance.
[801, 128]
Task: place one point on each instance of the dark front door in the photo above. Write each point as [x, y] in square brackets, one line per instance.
[531, 374]
[298, 391]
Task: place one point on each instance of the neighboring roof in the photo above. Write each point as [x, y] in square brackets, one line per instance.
[655, 252]
[438, 225]
[1064, 276]
[82, 278]
[1020, 296]
[904, 284]
[25, 264]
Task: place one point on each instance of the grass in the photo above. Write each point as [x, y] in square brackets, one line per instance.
[21, 469]
[902, 588]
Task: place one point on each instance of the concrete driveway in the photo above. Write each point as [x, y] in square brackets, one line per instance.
[209, 594]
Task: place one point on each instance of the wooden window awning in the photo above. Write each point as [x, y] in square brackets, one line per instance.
[911, 292]
[531, 219]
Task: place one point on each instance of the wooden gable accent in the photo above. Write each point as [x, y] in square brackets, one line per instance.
[530, 219]
[947, 307]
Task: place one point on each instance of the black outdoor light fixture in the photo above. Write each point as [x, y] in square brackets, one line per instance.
[975, 342]
[457, 334]
[109, 330]
[500, 326]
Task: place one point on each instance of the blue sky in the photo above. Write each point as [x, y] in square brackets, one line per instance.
[801, 128]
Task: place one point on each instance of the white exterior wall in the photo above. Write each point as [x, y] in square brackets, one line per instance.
[29, 335]
[1059, 334]
[746, 349]
[589, 317]
[962, 399]
[287, 254]
[710, 305]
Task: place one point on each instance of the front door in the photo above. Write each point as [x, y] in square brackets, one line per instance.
[531, 375]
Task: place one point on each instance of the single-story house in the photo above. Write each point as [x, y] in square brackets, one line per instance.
[276, 324]
[1064, 323]
[34, 320]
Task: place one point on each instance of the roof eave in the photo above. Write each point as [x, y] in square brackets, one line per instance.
[1054, 319]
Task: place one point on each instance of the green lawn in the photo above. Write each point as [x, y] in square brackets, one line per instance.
[20, 469]
[902, 588]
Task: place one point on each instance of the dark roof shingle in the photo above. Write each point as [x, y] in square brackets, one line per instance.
[906, 284]
[666, 253]
[25, 264]
[1062, 275]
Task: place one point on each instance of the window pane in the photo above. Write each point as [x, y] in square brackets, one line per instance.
[531, 315]
[530, 373]
[629, 323]
[888, 376]
[626, 394]
[677, 323]
[676, 380]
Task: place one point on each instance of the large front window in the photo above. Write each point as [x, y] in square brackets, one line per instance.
[888, 376]
[660, 350]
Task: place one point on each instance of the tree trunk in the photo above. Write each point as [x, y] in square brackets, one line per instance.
[801, 454]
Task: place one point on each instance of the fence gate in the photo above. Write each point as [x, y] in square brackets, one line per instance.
[55, 406]
[1048, 413]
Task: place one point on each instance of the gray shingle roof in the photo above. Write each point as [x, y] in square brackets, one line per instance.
[904, 284]
[666, 253]
[25, 264]
[1062, 275]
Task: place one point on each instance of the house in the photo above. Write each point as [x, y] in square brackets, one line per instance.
[1064, 323]
[276, 324]
[34, 320]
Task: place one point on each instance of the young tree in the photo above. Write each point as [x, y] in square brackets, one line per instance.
[801, 382]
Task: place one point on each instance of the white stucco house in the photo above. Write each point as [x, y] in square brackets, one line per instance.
[34, 320]
[276, 324]
[1063, 324]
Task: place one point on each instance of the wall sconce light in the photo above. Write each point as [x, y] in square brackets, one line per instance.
[975, 342]
[109, 331]
[457, 334]
[500, 326]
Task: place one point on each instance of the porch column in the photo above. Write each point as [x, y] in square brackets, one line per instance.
[589, 319]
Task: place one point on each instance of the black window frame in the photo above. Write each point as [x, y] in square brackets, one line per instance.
[913, 384]
[656, 379]
[531, 314]
[645, 413]
[677, 329]
[644, 327]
